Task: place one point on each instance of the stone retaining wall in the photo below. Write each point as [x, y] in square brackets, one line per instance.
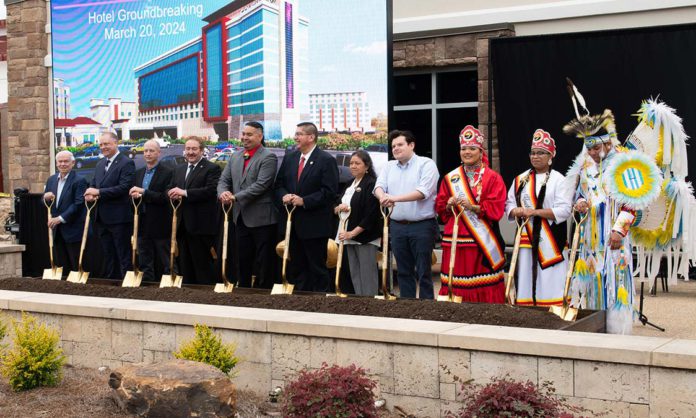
[415, 362]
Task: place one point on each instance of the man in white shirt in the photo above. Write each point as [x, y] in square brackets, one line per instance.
[409, 185]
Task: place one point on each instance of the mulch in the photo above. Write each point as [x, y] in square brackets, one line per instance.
[470, 313]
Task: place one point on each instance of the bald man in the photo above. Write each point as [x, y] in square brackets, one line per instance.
[65, 190]
[155, 227]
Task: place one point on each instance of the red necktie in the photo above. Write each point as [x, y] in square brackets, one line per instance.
[299, 170]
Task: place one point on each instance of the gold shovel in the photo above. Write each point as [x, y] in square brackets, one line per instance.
[513, 262]
[226, 286]
[54, 273]
[135, 277]
[565, 312]
[386, 213]
[450, 297]
[342, 224]
[81, 276]
[285, 288]
[172, 279]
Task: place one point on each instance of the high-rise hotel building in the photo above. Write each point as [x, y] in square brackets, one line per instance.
[250, 63]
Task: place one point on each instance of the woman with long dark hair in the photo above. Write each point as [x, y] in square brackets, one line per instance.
[536, 195]
[362, 234]
[478, 193]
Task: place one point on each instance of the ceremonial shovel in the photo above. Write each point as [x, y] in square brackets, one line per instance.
[54, 273]
[226, 286]
[172, 279]
[513, 262]
[135, 277]
[81, 276]
[450, 297]
[386, 213]
[285, 288]
[565, 312]
[342, 224]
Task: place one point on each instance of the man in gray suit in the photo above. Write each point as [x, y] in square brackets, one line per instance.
[247, 182]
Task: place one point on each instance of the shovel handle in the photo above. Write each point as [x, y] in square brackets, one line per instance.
[342, 224]
[453, 251]
[50, 231]
[386, 214]
[85, 231]
[573, 254]
[225, 235]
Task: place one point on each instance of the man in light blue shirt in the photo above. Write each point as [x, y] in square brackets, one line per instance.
[411, 181]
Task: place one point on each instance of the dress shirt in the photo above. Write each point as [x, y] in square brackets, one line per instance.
[59, 191]
[110, 161]
[419, 173]
[149, 174]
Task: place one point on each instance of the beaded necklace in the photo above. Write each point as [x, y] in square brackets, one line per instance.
[474, 175]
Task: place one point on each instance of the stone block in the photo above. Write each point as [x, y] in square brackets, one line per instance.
[454, 365]
[482, 47]
[672, 392]
[559, 372]
[183, 333]
[90, 354]
[385, 384]
[483, 91]
[322, 350]
[127, 347]
[612, 382]
[417, 371]
[290, 354]
[482, 67]
[485, 366]
[636, 410]
[450, 408]
[159, 337]
[460, 46]
[376, 358]
[255, 377]
[127, 327]
[598, 407]
[448, 391]
[413, 405]
[250, 346]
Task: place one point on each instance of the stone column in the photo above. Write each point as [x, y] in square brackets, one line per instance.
[28, 139]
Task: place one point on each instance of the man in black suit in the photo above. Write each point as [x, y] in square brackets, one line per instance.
[66, 189]
[113, 178]
[308, 180]
[247, 182]
[154, 226]
[196, 184]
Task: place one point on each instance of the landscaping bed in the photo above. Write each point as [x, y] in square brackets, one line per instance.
[470, 313]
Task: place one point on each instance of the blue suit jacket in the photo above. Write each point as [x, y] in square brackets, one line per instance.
[114, 205]
[70, 206]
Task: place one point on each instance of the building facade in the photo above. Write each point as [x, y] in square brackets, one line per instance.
[61, 99]
[348, 111]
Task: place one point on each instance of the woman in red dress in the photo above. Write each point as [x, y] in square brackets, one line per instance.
[480, 193]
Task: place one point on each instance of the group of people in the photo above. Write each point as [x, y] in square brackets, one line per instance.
[307, 185]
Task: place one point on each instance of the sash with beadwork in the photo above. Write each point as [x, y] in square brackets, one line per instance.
[482, 232]
[550, 253]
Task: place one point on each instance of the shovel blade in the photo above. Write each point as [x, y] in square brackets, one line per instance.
[170, 280]
[223, 288]
[337, 294]
[566, 313]
[53, 274]
[447, 298]
[282, 289]
[78, 277]
[132, 279]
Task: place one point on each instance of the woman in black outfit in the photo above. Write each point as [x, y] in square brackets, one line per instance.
[362, 235]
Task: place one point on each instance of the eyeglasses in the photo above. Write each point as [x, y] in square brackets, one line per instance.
[538, 153]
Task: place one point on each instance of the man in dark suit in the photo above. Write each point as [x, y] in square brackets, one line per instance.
[113, 178]
[195, 183]
[247, 182]
[308, 180]
[66, 189]
[154, 226]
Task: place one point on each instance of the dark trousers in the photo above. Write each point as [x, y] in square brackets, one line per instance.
[256, 254]
[65, 254]
[115, 241]
[195, 259]
[307, 265]
[413, 246]
[153, 257]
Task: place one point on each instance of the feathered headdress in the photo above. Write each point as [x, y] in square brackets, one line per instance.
[586, 126]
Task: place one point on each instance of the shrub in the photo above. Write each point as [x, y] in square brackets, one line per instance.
[206, 347]
[505, 397]
[341, 392]
[35, 360]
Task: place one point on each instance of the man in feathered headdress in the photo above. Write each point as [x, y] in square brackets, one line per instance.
[610, 184]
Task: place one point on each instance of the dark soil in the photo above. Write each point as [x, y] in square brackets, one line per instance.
[471, 313]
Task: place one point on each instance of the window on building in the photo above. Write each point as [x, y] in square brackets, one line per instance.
[435, 106]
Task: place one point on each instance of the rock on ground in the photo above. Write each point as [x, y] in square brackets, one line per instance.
[173, 389]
